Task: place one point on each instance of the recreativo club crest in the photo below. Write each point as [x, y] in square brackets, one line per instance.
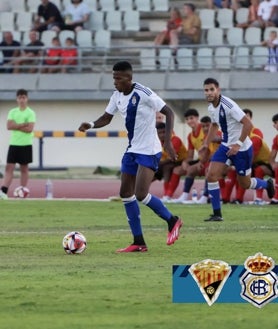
[259, 283]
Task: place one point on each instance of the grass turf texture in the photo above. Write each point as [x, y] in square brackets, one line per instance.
[42, 287]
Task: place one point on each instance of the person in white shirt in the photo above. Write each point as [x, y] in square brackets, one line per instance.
[264, 14]
[138, 106]
[76, 15]
[235, 149]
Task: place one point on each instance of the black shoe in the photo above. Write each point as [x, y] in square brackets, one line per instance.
[236, 201]
[274, 202]
[157, 64]
[214, 218]
[270, 188]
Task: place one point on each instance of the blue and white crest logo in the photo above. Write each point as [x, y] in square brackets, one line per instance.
[259, 283]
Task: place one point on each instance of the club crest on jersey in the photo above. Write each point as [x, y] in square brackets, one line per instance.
[210, 276]
[133, 100]
[259, 282]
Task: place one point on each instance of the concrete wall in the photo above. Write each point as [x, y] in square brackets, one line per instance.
[71, 152]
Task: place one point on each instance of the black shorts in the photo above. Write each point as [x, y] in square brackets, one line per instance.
[20, 154]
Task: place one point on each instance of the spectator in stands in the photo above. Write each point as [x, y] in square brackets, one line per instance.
[77, 13]
[166, 165]
[252, 14]
[189, 32]
[31, 55]
[69, 56]
[264, 14]
[20, 123]
[273, 161]
[163, 38]
[48, 17]
[233, 4]
[9, 55]
[274, 13]
[52, 57]
[272, 44]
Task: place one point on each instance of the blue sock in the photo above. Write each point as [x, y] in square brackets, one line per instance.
[157, 206]
[188, 184]
[214, 192]
[133, 215]
[257, 183]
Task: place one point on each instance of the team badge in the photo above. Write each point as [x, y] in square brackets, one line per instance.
[259, 283]
[210, 276]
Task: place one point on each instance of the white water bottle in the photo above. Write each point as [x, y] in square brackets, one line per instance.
[194, 195]
[48, 189]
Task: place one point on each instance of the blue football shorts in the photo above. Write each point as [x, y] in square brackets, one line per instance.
[131, 161]
[242, 160]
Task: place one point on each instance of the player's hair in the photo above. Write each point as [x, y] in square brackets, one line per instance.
[122, 66]
[213, 81]
[205, 119]
[275, 117]
[21, 92]
[160, 125]
[248, 111]
[191, 112]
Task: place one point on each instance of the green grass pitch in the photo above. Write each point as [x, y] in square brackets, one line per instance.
[42, 287]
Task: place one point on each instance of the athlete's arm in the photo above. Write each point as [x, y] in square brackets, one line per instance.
[102, 121]
[25, 127]
[169, 125]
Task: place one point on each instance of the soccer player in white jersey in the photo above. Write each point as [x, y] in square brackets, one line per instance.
[138, 106]
[236, 146]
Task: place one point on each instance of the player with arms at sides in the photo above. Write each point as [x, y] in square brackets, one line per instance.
[272, 160]
[21, 121]
[235, 148]
[166, 164]
[138, 106]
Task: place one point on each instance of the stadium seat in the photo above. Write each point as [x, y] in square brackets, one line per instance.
[204, 58]
[96, 21]
[166, 59]
[241, 57]
[235, 36]
[241, 15]
[225, 18]
[64, 34]
[17, 6]
[114, 20]
[47, 36]
[215, 36]
[143, 5]
[124, 5]
[7, 21]
[102, 39]
[160, 5]
[207, 17]
[267, 30]
[185, 59]
[107, 5]
[259, 56]
[253, 36]
[222, 57]
[24, 21]
[32, 5]
[84, 39]
[131, 20]
[147, 59]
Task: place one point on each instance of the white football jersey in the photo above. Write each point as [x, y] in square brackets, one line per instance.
[139, 111]
[228, 115]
